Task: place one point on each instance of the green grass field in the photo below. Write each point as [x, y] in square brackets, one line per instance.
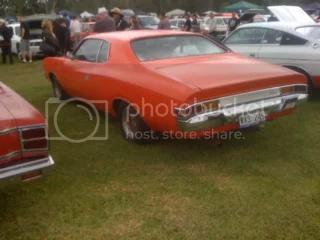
[265, 186]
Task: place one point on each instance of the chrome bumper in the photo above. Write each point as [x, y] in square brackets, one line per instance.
[14, 173]
[230, 115]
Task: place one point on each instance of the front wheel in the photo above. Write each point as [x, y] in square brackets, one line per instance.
[132, 126]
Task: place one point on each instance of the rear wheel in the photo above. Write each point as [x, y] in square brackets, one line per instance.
[58, 91]
[132, 126]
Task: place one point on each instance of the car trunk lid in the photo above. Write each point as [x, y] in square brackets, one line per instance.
[10, 149]
[226, 74]
[290, 14]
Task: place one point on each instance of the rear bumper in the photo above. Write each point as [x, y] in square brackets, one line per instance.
[15, 173]
[230, 115]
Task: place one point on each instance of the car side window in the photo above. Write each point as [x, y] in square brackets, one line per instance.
[272, 37]
[219, 21]
[246, 36]
[173, 23]
[88, 50]
[291, 40]
[104, 52]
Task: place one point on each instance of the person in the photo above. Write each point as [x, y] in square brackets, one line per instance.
[104, 23]
[273, 18]
[75, 30]
[121, 23]
[164, 23]
[66, 20]
[25, 39]
[134, 24]
[187, 24]
[233, 22]
[212, 25]
[62, 33]
[50, 45]
[5, 43]
[195, 19]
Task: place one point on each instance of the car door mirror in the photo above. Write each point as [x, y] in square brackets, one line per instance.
[70, 55]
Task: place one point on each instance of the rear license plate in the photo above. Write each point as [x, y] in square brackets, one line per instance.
[252, 119]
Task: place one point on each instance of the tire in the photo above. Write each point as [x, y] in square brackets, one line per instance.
[133, 128]
[58, 91]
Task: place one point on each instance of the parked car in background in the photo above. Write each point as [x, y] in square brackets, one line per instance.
[150, 22]
[127, 13]
[34, 22]
[23, 139]
[184, 78]
[177, 22]
[222, 26]
[292, 44]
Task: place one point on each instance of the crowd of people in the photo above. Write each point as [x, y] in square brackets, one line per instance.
[56, 34]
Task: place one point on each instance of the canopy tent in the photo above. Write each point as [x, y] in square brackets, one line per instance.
[175, 12]
[86, 14]
[242, 5]
[68, 13]
[207, 12]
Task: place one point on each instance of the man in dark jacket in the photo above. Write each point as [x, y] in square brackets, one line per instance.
[121, 23]
[104, 23]
[62, 33]
[5, 42]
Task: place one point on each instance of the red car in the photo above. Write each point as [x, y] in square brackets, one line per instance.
[177, 82]
[23, 139]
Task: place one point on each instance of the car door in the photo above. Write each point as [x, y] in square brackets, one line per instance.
[282, 48]
[79, 70]
[246, 41]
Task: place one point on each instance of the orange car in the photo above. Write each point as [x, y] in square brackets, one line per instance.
[173, 82]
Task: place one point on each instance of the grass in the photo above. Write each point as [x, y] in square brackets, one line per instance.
[265, 186]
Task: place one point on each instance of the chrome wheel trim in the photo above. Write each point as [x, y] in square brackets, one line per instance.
[129, 123]
[57, 90]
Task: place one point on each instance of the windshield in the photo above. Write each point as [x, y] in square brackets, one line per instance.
[313, 32]
[173, 47]
[226, 20]
[145, 21]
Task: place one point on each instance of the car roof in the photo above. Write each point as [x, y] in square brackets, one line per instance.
[281, 26]
[14, 25]
[289, 27]
[128, 36]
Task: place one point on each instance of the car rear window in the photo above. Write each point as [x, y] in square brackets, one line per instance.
[312, 31]
[157, 48]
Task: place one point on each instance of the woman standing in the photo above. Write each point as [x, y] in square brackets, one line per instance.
[134, 24]
[50, 45]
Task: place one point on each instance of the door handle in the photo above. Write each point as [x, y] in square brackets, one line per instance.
[86, 77]
[252, 54]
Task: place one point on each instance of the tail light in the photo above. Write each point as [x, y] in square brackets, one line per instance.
[294, 89]
[34, 139]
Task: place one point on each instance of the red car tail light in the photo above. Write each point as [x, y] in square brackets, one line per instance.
[34, 139]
